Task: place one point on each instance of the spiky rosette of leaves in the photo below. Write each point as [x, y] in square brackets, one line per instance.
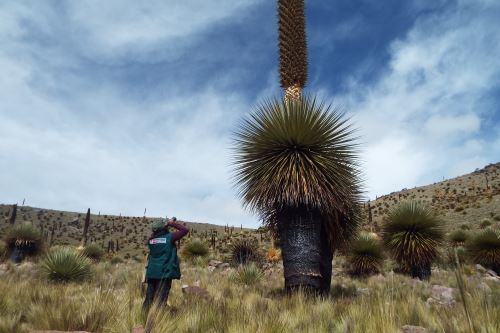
[484, 249]
[245, 251]
[412, 233]
[365, 256]
[458, 237]
[26, 237]
[299, 153]
[292, 43]
[65, 264]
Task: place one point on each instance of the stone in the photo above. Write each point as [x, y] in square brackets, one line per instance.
[138, 329]
[211, 268]
[363, 291]
[214, 263]
[441, 295]
[480, 268]
[414, 329]
[195, 291]
[223, 265]
[491, 278]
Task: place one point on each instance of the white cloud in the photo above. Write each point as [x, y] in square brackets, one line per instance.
[431, 101]
[90, 146]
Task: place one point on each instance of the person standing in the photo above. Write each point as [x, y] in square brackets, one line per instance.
[162, 261]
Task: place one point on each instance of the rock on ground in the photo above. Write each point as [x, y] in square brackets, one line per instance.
[195, 291]
[414, 329]
[441, 295]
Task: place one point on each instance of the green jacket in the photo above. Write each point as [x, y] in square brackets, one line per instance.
[163, 262]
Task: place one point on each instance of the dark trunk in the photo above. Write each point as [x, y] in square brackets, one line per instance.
[13, 215]
[423, 272]
[300, 235]
[86, 227]
[326, 261]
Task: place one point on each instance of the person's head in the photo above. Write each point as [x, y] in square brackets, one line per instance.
[174, 219]
[157, 225]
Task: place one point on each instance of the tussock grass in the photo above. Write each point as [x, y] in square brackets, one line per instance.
[111, 303]
[194, 249]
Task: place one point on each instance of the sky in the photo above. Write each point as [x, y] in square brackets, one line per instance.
[125, 105]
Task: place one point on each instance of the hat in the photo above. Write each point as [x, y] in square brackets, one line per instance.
[157, 225]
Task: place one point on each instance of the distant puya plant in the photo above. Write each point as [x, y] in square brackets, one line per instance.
[484, 249]
[412, 234]
[365, 256]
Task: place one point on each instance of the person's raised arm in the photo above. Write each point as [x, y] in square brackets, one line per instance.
[180, 232]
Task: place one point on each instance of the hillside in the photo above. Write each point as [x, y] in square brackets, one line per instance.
[468, 199]
[124, 234]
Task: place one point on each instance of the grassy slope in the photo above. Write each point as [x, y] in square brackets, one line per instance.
[111, 302]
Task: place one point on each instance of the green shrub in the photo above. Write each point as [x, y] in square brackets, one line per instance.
[245, 251]
[365, 256]
[195, 248]
[66, 264]
[249, 275]
[93, 251]
[458, 237]
[484, 249]
[413, 234]
[25, 238]
[485, 223]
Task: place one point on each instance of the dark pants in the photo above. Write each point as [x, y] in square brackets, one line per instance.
[158, 290]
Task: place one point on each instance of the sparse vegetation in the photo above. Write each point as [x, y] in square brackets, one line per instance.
[65, 264]
[413, 234]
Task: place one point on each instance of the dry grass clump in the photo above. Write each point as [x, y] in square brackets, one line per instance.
[93, 251]
[195, 248]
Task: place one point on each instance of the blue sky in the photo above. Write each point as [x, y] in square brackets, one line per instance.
[125, 105]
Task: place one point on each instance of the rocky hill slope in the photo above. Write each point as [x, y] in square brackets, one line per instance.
[466, 200]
